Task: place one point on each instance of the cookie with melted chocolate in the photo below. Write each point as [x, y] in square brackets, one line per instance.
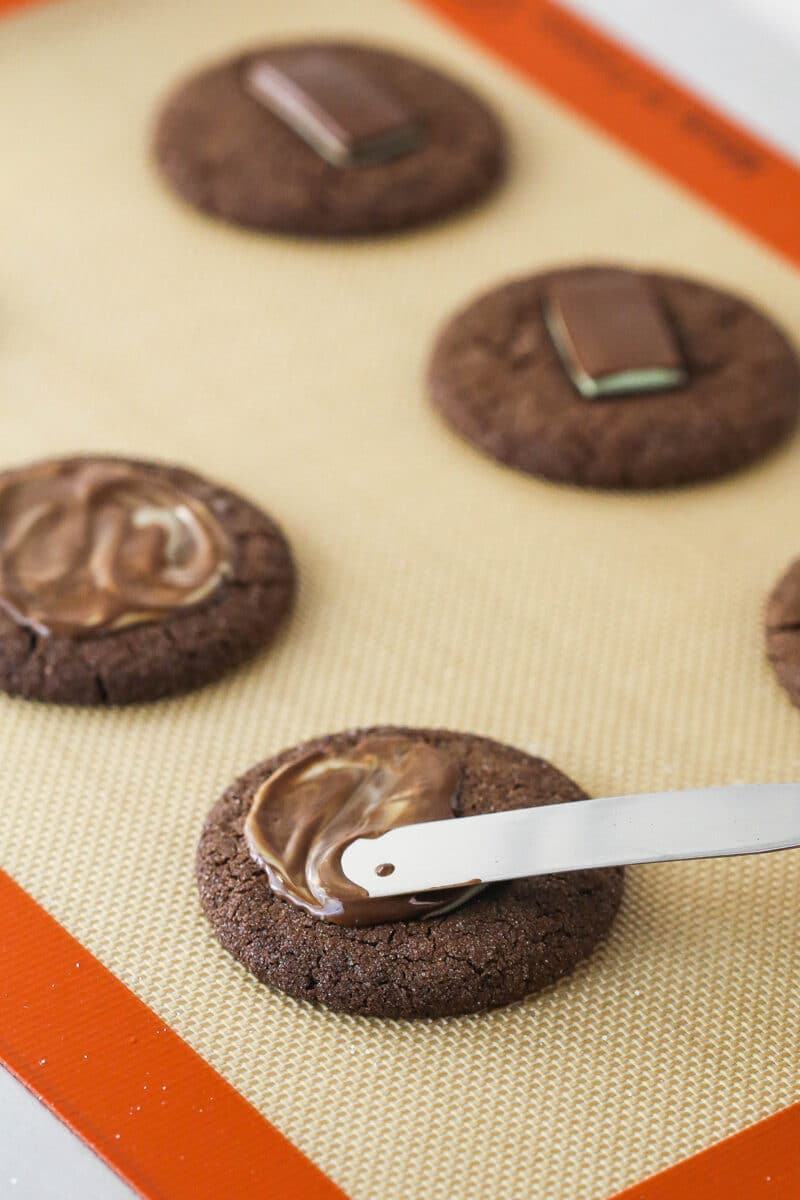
[124, 581]
[606, 377]
[328, 139]
[275, 897]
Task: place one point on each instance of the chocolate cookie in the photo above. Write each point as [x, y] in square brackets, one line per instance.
[328, 139]
[124, 581]
[509, 940]
[783, 630]
[610, 378]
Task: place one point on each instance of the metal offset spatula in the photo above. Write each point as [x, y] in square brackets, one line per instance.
[615, 831]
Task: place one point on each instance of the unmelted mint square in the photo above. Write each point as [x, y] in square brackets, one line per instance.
[612, 334]
[346, 116]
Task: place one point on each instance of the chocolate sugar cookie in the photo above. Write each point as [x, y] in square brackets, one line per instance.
[271, 884]
[124, 581]
[612, 378]
[329, 139]
[783, 630]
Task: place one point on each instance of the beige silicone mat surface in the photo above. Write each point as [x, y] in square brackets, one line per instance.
[617, 635]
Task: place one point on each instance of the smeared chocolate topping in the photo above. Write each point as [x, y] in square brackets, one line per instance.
[305, 815]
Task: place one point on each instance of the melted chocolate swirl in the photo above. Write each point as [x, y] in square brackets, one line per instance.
[95, 545]
[306, 813]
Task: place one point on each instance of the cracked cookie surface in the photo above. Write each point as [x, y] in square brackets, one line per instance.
[227, 155]
[496, 378]
[508, 941]
[185, 649]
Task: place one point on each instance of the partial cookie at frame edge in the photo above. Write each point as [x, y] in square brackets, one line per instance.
[496, 378]
[782, 631]
[509, 941]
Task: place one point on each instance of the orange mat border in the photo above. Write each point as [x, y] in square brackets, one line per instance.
[150, 1106]
[90, 1049]
[170, 1125]
[7, 5]
[761, 1162]
[645, 110]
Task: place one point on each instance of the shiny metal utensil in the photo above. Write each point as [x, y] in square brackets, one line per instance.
[614, 831]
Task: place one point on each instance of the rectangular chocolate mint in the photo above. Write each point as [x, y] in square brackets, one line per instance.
[612, 334]
[348, 118]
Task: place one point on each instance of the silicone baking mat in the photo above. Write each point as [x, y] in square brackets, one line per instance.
[617, 635]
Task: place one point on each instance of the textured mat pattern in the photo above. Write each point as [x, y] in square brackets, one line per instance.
[619, 636]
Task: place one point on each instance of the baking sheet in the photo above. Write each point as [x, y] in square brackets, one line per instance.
[618, 635]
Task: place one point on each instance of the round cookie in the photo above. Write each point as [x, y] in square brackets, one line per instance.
[508, 941]
[123, 581]
[497, 378]
[783, 630]
[228, 155]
